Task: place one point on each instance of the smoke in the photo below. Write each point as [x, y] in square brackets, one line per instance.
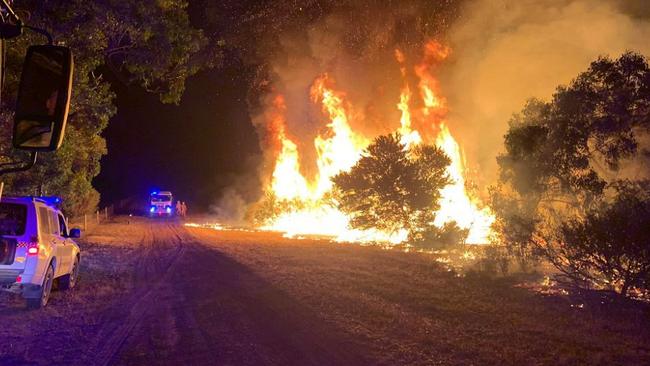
[231, 207]
[240, 190]
[503, 53]
[355, 45]
[507, 51]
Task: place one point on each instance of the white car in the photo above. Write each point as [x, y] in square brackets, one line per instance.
[36, 249]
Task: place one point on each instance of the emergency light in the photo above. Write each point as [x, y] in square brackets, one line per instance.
[49, 200]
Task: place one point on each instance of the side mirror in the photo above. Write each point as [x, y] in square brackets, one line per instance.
[43, 98]
[75, 233]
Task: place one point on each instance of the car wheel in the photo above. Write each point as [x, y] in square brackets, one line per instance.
[46, 288]
[70, 280]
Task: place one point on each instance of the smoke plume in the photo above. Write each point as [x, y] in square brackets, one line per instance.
[508, 51]
[503, 53]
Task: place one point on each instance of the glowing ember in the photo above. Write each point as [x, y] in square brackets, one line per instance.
[340, 147]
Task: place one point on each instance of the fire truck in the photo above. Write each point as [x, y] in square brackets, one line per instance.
[161, 204]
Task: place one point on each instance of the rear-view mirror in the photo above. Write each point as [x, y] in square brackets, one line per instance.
[43, 98]
[75, 233]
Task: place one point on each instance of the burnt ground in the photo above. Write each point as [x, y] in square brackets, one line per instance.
[157, 293]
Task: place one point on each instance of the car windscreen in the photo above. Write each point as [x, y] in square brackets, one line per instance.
[13, 217]
[161, 198]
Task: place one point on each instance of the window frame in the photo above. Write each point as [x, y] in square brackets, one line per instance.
[25, 212]
[44, 221]
[63, 225]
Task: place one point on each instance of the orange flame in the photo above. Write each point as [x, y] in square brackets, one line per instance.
[339, 148]
[287, 182]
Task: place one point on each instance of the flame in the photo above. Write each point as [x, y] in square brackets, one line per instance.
[434, 53]
[409, 136]
[287, 182]
[339, 147]
[456, 204]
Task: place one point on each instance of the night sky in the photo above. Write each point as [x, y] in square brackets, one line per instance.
[194, 149]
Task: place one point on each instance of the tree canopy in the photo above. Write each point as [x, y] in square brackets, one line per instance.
[148, 43]
[392, 188]
[567, 164]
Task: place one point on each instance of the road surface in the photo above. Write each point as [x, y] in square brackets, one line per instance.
[158, 293]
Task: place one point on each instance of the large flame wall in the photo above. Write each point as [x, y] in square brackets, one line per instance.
[339, 147]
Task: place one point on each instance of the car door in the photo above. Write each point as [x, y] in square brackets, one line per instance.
[63, 251]
[68, 246]
[47, 238]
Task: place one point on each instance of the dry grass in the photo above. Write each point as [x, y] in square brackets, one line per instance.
[406, 308]
[59, 332]
[390, 307]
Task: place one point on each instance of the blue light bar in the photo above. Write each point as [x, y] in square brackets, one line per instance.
[50, 200]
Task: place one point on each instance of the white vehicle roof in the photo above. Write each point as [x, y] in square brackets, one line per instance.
[47, 201]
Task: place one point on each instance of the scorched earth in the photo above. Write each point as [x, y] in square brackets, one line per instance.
[159, 293]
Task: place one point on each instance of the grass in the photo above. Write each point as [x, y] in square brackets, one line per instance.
[407, 308]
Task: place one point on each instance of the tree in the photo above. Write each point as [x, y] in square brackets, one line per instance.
[515, 224]
[610, 244]
[564, 165]
[391, 188]
[149, 43]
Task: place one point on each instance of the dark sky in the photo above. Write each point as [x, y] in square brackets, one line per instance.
[194, 149]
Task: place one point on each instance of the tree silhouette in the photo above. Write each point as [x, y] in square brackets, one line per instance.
[392, 188]
[566, 170]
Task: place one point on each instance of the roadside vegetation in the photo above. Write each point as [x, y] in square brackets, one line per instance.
[146, 43]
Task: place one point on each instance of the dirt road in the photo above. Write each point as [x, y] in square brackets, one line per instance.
[158, 293]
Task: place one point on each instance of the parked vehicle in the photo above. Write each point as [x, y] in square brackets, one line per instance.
[36, 249]
[161, 204]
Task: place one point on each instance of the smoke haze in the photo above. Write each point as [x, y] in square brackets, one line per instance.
[503, 53]
[508, 51]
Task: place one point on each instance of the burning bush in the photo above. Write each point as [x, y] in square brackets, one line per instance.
[565, 189]
[393, 188]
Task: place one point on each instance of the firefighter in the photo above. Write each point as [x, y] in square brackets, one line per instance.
[179, 208]
[184, 208]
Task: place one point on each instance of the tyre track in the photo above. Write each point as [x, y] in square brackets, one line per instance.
[154, 267]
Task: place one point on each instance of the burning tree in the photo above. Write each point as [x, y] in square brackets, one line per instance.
[392, 188]
[299, 199]
[573, 184]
